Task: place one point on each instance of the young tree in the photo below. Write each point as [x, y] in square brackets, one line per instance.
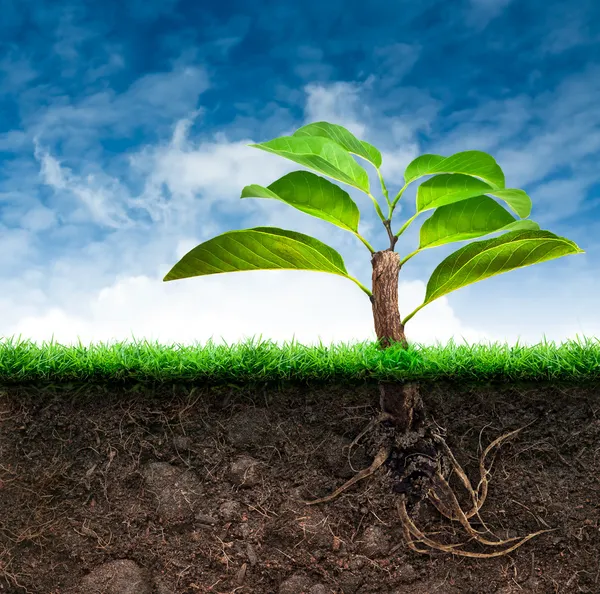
[458, 195]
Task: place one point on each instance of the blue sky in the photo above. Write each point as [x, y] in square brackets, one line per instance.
[123, 133]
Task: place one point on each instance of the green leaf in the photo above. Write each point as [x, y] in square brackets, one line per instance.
[475, 163]
[321, 155]
[487, 258]
[313, 195]
[448, 188]
[468, 219]
[374, 154]
[517, 199]
[259, 248]
[344, 138]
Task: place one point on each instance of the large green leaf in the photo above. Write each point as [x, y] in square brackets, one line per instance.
[344, 138]
[321, 155]
[475, 163]
[259, 248]
[487, 258]
[313, 195]
[468, 219]
[453, 187]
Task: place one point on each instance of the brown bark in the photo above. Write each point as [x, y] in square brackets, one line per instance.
[386, 268]
[401, 401]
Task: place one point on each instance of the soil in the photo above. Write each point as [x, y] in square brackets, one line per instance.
[198, 489]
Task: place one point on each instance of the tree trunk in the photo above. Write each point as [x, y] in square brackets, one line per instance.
[386, 267]
[401, 401]
[414, 456]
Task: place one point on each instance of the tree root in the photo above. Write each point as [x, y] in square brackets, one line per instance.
[443, 498]
[379, 460]
[409, 528]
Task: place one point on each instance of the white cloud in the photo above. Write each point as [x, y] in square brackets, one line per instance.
[14, 242]
[151, 104]
[39, 219]
[337, 102]
[184, 181]
[97, 195]
[279, 305]
[534, 138]
[111, 288]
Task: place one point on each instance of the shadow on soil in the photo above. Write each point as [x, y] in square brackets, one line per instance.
[183, 489]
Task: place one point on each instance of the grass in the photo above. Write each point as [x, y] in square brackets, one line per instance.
[26, 362]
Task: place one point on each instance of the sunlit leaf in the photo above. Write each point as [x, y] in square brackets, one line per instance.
[469, 219]
[487, 258]
[321, 155]
[448, 188]
[259, 248]
[344, 138]
[475, 163]
[313, 195]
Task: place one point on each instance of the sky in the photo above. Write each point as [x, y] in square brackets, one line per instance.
[123, 144]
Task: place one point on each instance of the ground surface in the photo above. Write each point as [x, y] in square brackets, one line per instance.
[194, 490]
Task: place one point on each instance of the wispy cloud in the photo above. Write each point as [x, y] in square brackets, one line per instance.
[484, 11]
[99, 197]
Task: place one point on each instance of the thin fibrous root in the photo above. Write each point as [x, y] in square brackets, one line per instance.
[462, 518]
[409, 529]
[380, 458]
[445, 511]
[483, 483]
[477, 498]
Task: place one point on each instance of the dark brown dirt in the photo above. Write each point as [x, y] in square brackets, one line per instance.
[179, 489]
